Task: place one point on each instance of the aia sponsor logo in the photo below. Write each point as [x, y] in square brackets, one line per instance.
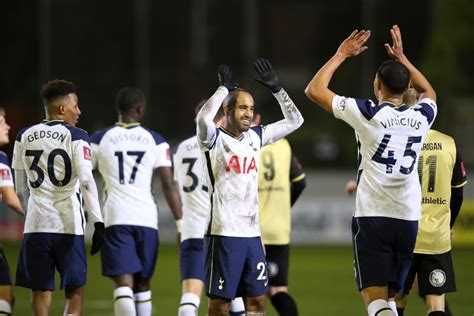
[247, 165]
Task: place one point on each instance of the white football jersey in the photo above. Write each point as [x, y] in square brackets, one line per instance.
[126, 156]
[189, 167]
[50, 153]
[389, 140]
[232, 164]
[6, 179]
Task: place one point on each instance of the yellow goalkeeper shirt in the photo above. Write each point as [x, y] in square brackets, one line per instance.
[276, 171]
[440, 168]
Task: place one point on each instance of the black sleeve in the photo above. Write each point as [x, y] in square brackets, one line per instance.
[457, 181]
[455, 205]
[297, 179]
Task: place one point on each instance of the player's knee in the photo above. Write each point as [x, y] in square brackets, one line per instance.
[284, 304]
[72, 291]
[141, 285]
[255, 304]
[218, 308]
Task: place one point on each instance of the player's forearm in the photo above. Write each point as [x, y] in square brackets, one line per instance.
[11, 199]
[457, 197]
[205, 126]
[418, 80]
[171, 192]
[89, 193]
[318, 88]
[292, 115]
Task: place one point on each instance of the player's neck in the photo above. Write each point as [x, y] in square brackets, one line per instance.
[127, 119]
[232, 130]
[394, 99]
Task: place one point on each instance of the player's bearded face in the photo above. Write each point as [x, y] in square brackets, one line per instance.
[71, 109]
[243, 112]
[4, 129]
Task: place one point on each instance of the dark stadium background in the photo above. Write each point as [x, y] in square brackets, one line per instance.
[171, 50]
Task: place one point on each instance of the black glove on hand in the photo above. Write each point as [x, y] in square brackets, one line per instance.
[268, 75]
[98, 237]
[225, 77]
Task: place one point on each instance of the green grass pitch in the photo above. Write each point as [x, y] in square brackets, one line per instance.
[321, 281]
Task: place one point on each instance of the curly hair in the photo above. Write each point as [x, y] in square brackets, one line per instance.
[57, 88]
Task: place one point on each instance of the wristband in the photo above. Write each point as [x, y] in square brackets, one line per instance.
[179, 223]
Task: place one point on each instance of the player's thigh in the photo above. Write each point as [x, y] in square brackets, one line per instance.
[412, 273]
[36, 263]
[119, 254]
[436, 275]
[147, 244]
[254, 281]
[225, 258]
[277, 257]
[191, 259]
[70, 253]
[375, 253]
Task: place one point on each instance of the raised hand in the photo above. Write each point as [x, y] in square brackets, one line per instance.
[225, 77]
[354, 44]
[396, 50]
[268, 76]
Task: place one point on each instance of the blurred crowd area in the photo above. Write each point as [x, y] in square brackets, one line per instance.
[171, 50]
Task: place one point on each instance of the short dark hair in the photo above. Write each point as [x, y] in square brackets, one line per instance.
[129, 98]
[394, 75]
[231, 98]
[57, 88]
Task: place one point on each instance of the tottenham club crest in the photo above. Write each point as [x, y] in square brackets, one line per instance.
[437, 278]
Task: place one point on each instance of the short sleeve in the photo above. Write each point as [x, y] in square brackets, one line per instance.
[428, 108]
[6, 178]
[163, 155]
[353, 111]
[296, 171]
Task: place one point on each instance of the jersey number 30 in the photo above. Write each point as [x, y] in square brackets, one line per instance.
[36, 154]
[390, 160]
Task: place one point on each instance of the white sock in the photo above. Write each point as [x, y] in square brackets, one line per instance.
[143, 303]
[255, 313]
[189, 305]
[237, 306]
[5, 308]
[393, 306]
[124, 304]
[379, 308]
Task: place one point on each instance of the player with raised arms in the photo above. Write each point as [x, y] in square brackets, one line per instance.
[235, 260]
[389, 135]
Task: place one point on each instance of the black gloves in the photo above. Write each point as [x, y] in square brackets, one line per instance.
[225, 77]
[268, 75]
[98, 237]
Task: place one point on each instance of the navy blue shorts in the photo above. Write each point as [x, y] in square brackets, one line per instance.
[191, 259]
[42, 253]
[5, 276]
[129, 249]
[383, 251]
[234, 267]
